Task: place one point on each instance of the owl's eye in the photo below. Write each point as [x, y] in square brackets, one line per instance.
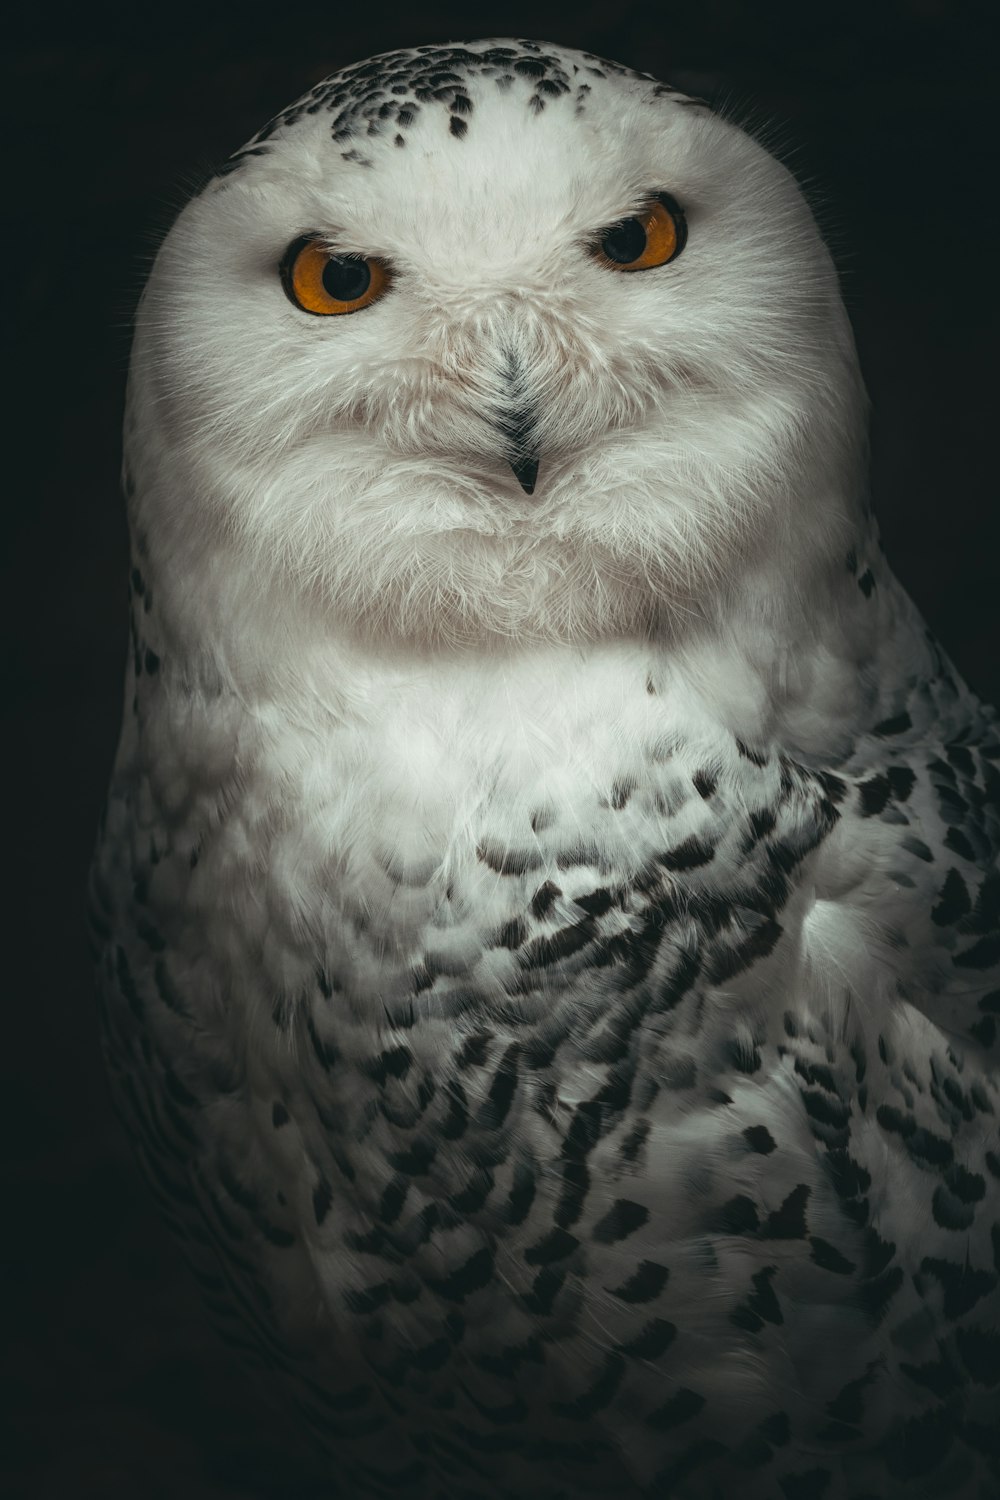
[652, 238]
[319, 282]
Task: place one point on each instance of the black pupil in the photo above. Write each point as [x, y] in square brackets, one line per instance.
[346, 277]
[624, 242]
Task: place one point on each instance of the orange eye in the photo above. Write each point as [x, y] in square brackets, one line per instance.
[320, 282]
[653, 237]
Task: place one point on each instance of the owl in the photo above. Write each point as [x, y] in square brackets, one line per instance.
[547, 902]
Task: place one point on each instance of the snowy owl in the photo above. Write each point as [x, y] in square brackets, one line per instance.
[547, 901]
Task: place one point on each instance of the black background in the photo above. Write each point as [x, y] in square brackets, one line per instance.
[112, 1386]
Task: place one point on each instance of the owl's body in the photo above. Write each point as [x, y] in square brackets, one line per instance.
[549, 940]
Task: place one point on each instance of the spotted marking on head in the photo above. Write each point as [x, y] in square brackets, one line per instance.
[388, 94]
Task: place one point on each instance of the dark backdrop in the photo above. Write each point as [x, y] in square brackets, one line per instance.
[112, 1386]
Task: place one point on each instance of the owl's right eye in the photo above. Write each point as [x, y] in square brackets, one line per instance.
[319, 282]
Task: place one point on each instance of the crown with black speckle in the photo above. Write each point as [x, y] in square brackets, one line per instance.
[386, 94]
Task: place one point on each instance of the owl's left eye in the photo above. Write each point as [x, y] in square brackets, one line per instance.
[320, 282]
[650, 238]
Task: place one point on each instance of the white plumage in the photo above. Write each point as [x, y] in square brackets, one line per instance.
[548, 898]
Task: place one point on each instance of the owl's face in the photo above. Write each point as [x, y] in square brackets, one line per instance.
[494, 342]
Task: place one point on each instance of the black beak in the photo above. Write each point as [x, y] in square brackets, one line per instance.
[525, 466]
[516, 420]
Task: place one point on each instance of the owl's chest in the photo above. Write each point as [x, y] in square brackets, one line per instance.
[413, 889]
[408, 855]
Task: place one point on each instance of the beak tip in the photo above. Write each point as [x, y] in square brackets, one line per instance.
[526, 472]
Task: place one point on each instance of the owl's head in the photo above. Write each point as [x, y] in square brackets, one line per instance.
[497, 341]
